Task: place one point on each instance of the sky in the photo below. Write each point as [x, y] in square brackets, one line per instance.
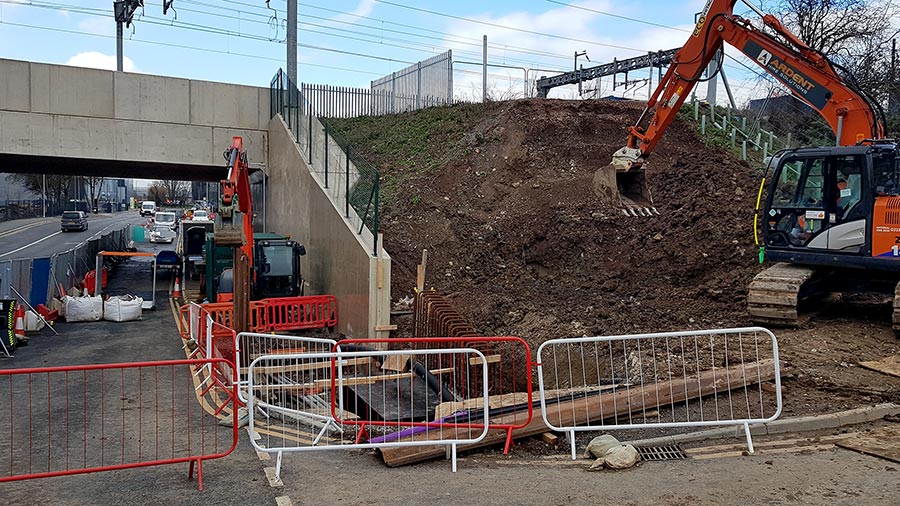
[352, 42]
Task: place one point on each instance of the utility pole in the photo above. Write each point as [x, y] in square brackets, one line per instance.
[292, 41]
[484, 71]
[124, 14]
[44, 194]
[577, 54]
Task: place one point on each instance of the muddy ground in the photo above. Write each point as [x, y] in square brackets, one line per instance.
[501, 197]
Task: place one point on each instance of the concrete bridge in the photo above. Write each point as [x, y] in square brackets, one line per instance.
[58, 119]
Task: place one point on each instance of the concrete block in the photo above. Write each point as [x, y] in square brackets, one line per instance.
[164, 142]
[152, 98]
[72, 91]
[15, 88]
[255, 144]
[83, 137]
[17, 133]
[264, 106]
[224, 105]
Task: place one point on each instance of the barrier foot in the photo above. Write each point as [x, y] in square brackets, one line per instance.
[453, 457]
[572, 444]
[509, 440]
[749, 438]
[361, 434]
[278, 466]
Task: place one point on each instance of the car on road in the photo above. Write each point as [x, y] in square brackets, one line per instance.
[73, 220]
[201, 215]
[162, 234]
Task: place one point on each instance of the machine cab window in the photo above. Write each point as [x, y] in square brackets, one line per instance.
[812, 194]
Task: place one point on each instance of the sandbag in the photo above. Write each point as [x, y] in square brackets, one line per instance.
[33, 322]
[84, 309]
[122, 308]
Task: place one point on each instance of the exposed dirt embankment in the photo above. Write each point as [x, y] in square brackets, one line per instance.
[501, 197]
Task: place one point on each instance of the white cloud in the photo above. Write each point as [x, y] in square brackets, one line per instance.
[364, 8]
[98, 60]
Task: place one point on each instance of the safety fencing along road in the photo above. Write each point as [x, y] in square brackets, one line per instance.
[676, 379]
[38, 280]
[389, 409]
[92, 418]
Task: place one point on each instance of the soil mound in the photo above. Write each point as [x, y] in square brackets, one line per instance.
[501, 196]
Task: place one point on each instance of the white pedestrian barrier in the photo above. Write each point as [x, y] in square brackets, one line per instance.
[674, 379]
[300, 400]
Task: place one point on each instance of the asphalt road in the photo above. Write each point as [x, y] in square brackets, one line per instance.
[42, 237]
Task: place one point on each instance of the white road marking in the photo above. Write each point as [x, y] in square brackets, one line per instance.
[20, 229]
[273, 481]
[32, 244]
[283, 500]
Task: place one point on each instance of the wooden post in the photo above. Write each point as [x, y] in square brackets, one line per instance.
[420, 271]
[241, 315]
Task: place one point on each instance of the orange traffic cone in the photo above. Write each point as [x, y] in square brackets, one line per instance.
[177, 291]
[20, 323]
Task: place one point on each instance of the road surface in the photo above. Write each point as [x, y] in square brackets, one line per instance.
[42, 237]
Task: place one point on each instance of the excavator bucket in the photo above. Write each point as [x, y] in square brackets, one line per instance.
[229, 231]
[622, 183]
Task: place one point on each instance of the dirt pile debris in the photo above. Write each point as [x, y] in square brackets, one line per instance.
[500, 195]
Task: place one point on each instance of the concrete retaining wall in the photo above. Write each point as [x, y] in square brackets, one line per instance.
[338, 260]
[57, 110]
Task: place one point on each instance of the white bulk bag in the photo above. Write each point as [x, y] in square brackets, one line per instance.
[122, 308]
[84, 309]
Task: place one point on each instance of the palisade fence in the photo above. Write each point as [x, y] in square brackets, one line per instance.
[38, 279]
[328, 101]
[428, 78]
[346, 177]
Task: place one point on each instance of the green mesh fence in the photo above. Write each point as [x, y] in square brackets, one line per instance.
[348, 178]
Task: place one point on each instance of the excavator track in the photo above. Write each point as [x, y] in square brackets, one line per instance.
[776, 292]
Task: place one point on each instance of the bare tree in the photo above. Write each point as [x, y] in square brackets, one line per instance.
[175, 190]
[95, 184]
[855, 34]
[157, 192]
[57, 187]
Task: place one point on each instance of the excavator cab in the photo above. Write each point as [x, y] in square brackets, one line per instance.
[826, 205]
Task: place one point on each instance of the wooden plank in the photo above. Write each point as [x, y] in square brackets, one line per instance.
[888, 365]
[446, 409]
[614, 403]
[385, 328]
[550, 438]
[282, 351]
[420, 271]
[883, 443]
[306, 366]
[491, 359]
[398, 363]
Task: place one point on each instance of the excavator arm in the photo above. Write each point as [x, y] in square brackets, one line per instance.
[234, 219]
[807, 73]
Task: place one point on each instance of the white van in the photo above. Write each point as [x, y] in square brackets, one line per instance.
[148, 208]
[165, 219]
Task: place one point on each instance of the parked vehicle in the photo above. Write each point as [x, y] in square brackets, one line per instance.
[166, 219]
[162, 233]
[148, 208]
[73, 220]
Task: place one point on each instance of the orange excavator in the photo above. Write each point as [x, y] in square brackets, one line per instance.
[259, 266]
[831, 215]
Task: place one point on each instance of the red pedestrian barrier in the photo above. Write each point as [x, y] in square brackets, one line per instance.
[455, 377]
[297, 313]
[61, 421]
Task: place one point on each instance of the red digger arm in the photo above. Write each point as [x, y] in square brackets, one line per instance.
[236, 197]
[807, 73]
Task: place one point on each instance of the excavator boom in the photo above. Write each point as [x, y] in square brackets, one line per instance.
[234, 219]
[807, 73]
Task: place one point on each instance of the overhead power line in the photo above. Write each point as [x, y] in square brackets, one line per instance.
[618, 16]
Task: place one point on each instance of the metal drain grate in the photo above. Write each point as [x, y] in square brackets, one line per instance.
[670, 452]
